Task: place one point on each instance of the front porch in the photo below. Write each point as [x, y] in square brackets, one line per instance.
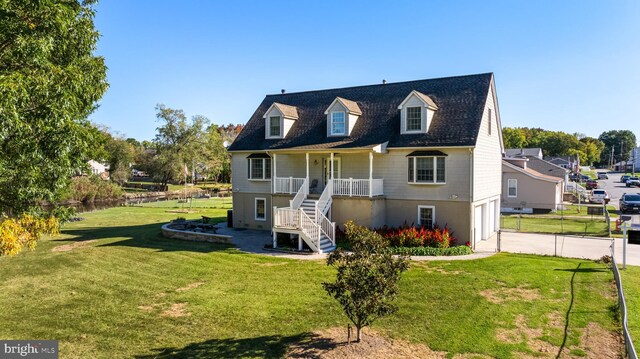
[309, 215]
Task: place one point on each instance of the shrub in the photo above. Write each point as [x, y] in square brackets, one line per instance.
[89, 189]
[410, 236]
[24, 231]
[430, 251]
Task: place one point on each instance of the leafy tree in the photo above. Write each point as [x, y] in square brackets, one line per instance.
[619, 142]
[50, 81]
[367, 280]
[120, 156]
[592, 147]
[513, 138]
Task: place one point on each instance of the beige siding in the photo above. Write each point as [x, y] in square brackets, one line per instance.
[369, 212]
[393, 168]
[531, 192]
[240, 181]
[487, 158]
[244, 211]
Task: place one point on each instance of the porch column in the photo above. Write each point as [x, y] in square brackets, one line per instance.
[275, 174]
[331, 167]
[307, 157]
[370, 174]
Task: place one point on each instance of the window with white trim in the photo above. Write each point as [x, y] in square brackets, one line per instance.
[259, 168]
[426, 169]
[274, 126]
[261, 209]
[337, 123]
[512, 188]
[426, 216]
[414, 119]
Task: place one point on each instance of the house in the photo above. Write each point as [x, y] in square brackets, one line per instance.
[98, 168]
[526, 190]
[521, 152]
[536, 163]
[572, 163]
[420, 152]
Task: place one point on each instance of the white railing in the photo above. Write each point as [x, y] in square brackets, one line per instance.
[357, 187]
[310, 229]
[327, 227]
[286, 218]
[324, 202]
[301, 195]
[289, 185]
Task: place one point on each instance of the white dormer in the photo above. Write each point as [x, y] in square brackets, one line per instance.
[278, 120]
[416, 113]
[342, 115]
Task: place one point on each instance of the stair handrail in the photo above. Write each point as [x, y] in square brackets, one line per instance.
[324, 202]
[310, 229]
[327, 227]
[300, 196]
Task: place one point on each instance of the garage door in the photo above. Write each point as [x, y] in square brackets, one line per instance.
[478, 225]
[492, 217]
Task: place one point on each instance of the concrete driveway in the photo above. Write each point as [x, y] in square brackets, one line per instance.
[562, 246]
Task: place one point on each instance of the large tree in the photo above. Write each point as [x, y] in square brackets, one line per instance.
[619, 143]
[50, 81]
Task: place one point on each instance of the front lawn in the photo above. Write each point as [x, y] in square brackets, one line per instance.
[631, 285]
[112, 287]
[569, 226]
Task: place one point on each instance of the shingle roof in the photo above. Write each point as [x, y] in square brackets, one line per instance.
[427, 100]
[286, 110]
[512, 152]
[460, 102]
[352, 107]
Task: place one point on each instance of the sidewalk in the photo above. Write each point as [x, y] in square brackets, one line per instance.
[562, 246]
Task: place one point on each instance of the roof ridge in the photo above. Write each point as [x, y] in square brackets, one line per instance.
[373, 85]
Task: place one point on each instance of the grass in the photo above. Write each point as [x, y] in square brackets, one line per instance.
[107, 298]
[631, 285]
[196, 204]
[570, 226]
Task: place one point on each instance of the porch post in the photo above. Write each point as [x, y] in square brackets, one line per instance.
[331, 167]
[275, 175]
[307, 157]
[370, 174]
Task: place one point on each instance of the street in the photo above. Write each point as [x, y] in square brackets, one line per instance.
[616, 190]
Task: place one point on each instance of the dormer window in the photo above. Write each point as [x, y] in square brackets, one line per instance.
[342, 115]
[337, 123]
[416, 113]
[414, 119]
[274, 126]
[278, 120]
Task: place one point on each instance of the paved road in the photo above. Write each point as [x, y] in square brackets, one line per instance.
[562, 246]
[616, 190]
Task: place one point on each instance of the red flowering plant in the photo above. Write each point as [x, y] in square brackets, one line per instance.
[411, 236]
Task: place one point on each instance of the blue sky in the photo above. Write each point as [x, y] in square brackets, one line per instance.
[570, 66]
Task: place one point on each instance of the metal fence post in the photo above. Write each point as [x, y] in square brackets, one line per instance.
[499, 239]
[555, 246]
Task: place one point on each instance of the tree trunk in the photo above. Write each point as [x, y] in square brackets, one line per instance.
[358, 331]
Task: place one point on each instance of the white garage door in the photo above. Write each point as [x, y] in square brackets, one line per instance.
[478, 225]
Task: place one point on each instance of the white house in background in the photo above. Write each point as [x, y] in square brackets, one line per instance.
[97, 168]
[420, 152]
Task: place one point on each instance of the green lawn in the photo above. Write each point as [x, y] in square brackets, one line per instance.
[569, 226]
[631, 285]
[132, 293]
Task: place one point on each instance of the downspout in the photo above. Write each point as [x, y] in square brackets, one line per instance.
[472, 227]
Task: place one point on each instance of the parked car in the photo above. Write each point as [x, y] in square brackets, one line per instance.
[633, 181]
[599, 196]
[624, 178]
[591, 184]
[602, 175]
[629, 202]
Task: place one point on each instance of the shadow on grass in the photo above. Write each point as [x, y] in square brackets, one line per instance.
[142, 236]
[273, 346]
[583, 270]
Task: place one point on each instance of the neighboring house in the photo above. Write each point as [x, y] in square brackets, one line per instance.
[420, 152]
[524, 152]
[526, 190]
[572, 163]
[98, 168]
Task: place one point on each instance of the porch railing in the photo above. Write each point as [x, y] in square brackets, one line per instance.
[324, 202]
[288, 185]
[286, 218]
[357, 187]
[301, 195]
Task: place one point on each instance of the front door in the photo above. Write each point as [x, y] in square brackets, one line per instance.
[327, 168]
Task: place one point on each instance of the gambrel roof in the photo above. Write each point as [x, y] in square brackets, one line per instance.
[460, 101]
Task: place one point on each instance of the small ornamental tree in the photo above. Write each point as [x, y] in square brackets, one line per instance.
[367, 280]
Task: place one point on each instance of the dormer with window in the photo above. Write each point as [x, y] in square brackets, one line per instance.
[279, 119]
[342, 115]
[416, 113]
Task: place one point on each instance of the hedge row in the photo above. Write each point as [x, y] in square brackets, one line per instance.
[431, 251]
